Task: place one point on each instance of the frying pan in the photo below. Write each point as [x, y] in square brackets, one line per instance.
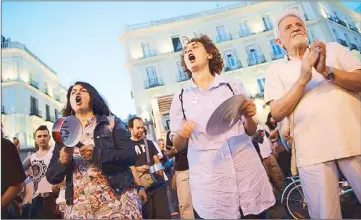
[225, 116]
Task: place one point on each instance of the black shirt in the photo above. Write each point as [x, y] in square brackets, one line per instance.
[141, 158]
[12, 172]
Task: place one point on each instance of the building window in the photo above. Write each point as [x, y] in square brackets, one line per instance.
[222, 34]
[347, 39]
[267, 23]
[182, 76]
[47, 112]
[147, 50]
[275, 48]
[244, 29]
[254, 56]
[152, 79]
[277, 52]
[56, 113]
[46, 88]
[177, 45]
[34, 107]
[261, 82]
[335, 34]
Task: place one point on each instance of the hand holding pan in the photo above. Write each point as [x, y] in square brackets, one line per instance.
[67, 131]
[226, 115]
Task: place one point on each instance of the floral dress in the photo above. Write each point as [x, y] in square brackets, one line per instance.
[93, 197]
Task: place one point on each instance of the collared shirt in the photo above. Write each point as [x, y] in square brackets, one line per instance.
[225, 170]
[326, 123]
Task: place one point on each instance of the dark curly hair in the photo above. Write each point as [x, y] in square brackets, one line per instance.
[215, 64]
[97, 103]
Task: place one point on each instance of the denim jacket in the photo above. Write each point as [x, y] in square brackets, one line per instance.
[113, 154]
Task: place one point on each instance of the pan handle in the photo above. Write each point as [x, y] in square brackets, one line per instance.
[80, 144]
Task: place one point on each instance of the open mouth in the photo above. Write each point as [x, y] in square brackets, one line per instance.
[191, 57]
[77, 100]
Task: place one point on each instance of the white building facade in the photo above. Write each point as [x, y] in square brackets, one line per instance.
[31, 94]
[243, 34]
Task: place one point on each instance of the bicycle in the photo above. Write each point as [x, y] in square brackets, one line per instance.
[294, 200]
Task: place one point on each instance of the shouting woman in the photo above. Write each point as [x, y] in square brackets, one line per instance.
[99, 183]
[227, 179]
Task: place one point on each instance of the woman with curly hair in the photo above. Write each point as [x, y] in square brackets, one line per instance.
[98, 181]
[227, 179]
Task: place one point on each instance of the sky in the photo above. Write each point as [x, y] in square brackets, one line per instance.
[80, 40]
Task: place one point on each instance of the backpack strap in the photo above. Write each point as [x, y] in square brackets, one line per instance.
[230, 88]
[181, 100]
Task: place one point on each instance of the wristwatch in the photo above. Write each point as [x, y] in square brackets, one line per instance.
[330, 75]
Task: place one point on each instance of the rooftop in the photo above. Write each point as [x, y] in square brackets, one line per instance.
[189, 16]
[17, 45]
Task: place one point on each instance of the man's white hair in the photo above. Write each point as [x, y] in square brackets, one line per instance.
[283, 15]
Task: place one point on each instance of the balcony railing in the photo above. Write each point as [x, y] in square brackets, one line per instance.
[245, 34]
[276, 56]
[36, 112]
[353, 47]
[46, 91]
[268, 27]
[182, 76]
[149, 53]
[260, 59]
[153, 83]
[342, 42]
[3, 110]
[353, 28]
[57, 98]
[341, 22]
[34, 83]
[223, 37]
[21, 46]
[50, 118]
[235, 67]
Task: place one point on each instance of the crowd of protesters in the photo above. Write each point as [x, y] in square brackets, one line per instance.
[120, 173]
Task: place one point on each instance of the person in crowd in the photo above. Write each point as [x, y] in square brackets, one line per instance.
[98, 180]
[281, 153]
[16, 142]
[227, 179]
[316, 88]
[168, 163]
[156, 205]
[43, 201]
[12, 178]
[180, 181]
[268, 160]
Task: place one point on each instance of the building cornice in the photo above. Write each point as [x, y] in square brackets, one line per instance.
[21, 52]
[179, 24]
[9, 83]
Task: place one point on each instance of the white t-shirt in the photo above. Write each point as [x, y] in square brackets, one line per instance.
[265, 148]
[39, 167]
[327, 119]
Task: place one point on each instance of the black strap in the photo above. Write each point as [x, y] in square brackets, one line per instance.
[147, 151]
[181, 99]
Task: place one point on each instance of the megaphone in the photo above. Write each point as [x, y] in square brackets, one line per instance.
[67, 131]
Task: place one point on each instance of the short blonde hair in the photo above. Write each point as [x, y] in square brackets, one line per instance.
[292, 12]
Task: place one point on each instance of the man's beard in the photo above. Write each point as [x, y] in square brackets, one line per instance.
[300, 41]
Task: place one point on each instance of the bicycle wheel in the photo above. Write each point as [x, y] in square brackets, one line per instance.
[295, 203]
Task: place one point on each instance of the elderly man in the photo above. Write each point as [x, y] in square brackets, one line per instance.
[316, 88]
